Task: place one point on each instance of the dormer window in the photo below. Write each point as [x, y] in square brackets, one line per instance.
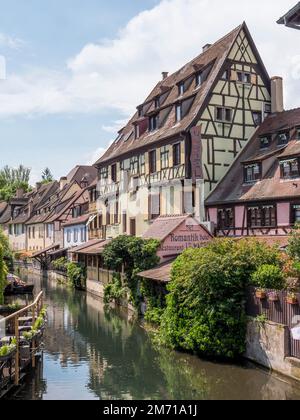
[141, 111]
[137, 131]
[157, 102]
[283, 138]
[199, 79]
[289, 168]
[265, 142]
[252, 173]
[153, 123]
[244, 77]
[178, 112]
[181, 88]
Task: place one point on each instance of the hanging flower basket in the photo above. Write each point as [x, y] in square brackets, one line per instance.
[260, 294]
[273, 297]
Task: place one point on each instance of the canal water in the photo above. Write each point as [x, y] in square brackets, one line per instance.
[92, 353]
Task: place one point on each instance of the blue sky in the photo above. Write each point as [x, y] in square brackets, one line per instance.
[76, 70]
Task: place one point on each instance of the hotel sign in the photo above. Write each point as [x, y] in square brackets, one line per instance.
[190, 234]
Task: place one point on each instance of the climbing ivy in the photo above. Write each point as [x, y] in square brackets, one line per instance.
[76, 274]
[133, 255]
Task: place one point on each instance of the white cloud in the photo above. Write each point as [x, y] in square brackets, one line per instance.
[118, 73]
[7, 41]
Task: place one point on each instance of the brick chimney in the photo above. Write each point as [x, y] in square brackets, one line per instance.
[165, 74]
[277, 94]
[63, 182]
[206, 47]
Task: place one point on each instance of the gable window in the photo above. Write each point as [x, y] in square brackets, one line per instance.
[289, 168]
[177, 154]
[252, 173]
[104, 173]
[244, 77]
[164, 157]
[178, 112]
[257, 118]
[226, 75]
[224, 114]
[265, 142]
[181, 88]
[262, 216]
[114, 173]
[152, 161]
[153, 123]
[283, 138]
[225, 218]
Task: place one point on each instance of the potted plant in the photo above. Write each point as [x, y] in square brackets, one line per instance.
[273, 297]
[7, 351]
[260, 294]
[292, 299]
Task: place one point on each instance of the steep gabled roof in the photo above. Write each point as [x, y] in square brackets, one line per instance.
[214, 58]
[291, 18]
[232, 189]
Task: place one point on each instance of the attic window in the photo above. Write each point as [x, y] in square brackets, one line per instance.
[252, 173]
[265, 142]
[178, 112]
[283, 138]
[289, 168]
[137, 131]
[181, 88]
[267, 109]
[244, 77]
[153, 122]
[157, 102]
[224, 114]
[199, 79]
[226, 75]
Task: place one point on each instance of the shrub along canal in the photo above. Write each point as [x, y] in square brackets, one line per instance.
[94, 353]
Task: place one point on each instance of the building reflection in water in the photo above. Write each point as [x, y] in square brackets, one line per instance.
[95, 353]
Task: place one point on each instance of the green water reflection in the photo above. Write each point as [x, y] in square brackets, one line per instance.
[94, 353]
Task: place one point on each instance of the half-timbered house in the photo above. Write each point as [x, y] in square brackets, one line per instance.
[260, 195]
[183, 137]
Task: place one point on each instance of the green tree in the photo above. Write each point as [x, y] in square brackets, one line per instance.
[293, 248]
[47, 176]
[7, 252]
[205, 310]
[13, 178]
[134, 255]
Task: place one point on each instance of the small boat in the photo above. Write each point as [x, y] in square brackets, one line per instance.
[17, 287]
